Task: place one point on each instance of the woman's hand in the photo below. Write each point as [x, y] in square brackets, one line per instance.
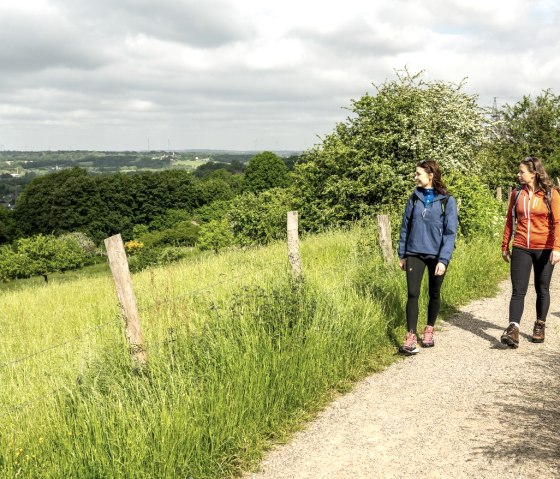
[440, 269]
[402, 264]
[506, 255]
[555, 257]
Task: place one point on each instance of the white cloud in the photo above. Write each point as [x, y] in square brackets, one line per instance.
[242, 75]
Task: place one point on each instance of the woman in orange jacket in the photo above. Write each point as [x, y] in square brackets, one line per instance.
[533, 219]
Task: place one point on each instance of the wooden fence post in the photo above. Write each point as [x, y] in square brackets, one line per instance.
[385, 237]
[293, 243]
[499, 194]
[123, 284]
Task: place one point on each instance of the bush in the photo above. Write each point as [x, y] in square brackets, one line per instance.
[368, 162]
[215, 235]
[184, 233]
[43, 255]
[479, 211]
[151, 257]
[259, 219]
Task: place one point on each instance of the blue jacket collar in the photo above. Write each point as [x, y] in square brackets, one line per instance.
[419, 192]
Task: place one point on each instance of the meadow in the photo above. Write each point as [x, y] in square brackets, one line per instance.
[240, 356]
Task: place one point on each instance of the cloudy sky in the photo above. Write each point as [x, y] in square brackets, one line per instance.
[247, 74]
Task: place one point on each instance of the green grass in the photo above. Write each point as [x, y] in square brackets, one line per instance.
[240, 356]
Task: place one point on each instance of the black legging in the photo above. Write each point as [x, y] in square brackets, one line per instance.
[415, 267]
[521, 262]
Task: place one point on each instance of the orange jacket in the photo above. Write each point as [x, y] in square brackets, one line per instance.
[537, 228]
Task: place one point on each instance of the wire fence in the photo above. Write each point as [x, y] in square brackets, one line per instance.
[96, 329]
[57, 346]
[25, 405]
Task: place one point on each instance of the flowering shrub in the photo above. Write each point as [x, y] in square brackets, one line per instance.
[133, 246]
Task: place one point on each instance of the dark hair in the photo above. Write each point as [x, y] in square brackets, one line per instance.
[431, 166]
[534, 165]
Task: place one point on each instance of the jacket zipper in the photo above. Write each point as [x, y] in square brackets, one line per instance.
[528, 216]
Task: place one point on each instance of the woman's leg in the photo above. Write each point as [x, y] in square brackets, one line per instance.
[521, 263]
[414, 272]
[434, 288]
[543, 275]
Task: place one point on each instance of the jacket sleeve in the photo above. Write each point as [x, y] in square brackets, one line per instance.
[555, 207]
[450, 224]
[407, 217]
[508, 228]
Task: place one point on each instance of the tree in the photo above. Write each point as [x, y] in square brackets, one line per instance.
[42, 255]
[367, 163]
[259, 218]
[530, 127]
[264, 171]
[215, 235]
[7, 225]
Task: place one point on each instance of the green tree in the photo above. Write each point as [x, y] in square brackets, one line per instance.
[7, 225]
[215, 235]
[260, 218]
[264, 171]
[530, 127]
[367, 163]
[42, 255]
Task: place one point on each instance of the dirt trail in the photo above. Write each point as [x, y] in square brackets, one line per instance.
[467, 408]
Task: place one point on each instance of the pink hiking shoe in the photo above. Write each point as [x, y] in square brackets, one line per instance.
[428, 337]
[410, 345]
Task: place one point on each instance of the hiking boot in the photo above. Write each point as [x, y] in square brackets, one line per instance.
[511, 336]
[538, 331]
[428, 337]
[410, 345]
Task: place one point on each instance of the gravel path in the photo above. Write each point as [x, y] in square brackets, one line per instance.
[467, 408]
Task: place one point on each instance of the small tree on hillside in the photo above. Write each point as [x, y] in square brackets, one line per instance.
[266, 170]
[46, 254]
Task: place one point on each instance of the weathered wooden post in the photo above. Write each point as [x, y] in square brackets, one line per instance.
[293, 243]
[385, 237]
[499, 194]
[123, 284]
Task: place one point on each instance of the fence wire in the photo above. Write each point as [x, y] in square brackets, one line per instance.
[57, 346]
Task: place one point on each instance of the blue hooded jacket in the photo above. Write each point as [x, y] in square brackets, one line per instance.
[432, 229]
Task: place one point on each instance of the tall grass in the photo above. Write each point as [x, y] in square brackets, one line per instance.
[239, 356]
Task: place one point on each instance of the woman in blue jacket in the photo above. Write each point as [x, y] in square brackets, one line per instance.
[427, 240]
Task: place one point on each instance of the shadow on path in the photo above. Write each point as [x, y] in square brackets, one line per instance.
[482, 328]
[531, 411]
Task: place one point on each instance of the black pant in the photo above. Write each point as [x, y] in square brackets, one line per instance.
[521, 262]
[415, 267]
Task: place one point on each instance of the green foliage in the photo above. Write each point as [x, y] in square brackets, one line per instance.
[215, 235]
[265, 170]
[212, 211]
[528, 127]
[12, 264]
[208, 168]
[260, 218]
[7, 225]
[152, 257]
[368, 162]
[71, 200]
[480, 214]
[184, 233]
[168, 219]
[216, 189]
[42, 255]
